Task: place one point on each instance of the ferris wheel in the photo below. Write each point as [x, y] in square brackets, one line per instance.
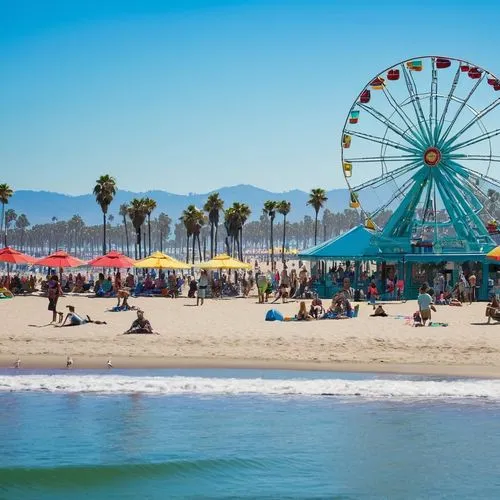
[420, 151]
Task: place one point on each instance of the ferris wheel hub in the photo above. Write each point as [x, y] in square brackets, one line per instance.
[432, 156]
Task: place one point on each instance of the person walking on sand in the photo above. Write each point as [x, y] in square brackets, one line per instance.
[472, 287]
[425, 305]
[202, 287]
[54, 292]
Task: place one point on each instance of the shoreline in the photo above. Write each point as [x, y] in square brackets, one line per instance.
[50, 362]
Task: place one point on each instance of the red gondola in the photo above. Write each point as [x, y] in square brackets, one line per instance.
[377, 83]
[442, 63]
[475, 73]
[497, 85]
[365, 96]
[492, 81]
[464, 68]
[393, 74]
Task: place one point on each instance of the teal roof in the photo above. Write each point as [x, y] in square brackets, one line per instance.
[355, 243]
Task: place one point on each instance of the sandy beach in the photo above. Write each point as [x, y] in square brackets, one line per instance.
[233, 333]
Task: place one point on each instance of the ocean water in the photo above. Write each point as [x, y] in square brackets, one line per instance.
[209, 434]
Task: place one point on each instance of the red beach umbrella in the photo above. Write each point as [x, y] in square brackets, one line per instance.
[11, 256]
[112, 259]
[60, 259]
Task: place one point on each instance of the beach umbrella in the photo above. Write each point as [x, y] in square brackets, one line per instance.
[112, 259]
[11, 256]
[494, 254]
[159, 260]
[60, 259]
[223, 261]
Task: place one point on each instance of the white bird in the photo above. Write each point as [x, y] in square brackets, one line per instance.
[17, 364]
[109, 364]
[69, 362]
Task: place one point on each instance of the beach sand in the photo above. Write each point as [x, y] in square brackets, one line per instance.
[233, 333]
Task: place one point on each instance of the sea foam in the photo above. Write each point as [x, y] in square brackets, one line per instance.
[177, 385]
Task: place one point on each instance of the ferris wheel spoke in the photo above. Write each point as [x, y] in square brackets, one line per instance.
[410, 124]
[463, 183]
[487, 158]
[388, 123]
[417, 106]
[381, 140]
[376, 159]
[463, 194]
[469, 172]
[481, 204]
[475, 140]
[451, 93]
[442, 139]
[400, 191]
[388, 176]
[474, 120]
[433, 101]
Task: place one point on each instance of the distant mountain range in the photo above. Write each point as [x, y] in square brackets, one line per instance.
[41, 206]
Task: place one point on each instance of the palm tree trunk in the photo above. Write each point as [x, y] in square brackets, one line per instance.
[216, 237]
[284, 239]
[126, 233]
[272, 245]
[212, 240]
[194, 247]
[104, 234]
[2, 226]
[316, 229]
[187, 250]
[199, 247]
[149, 232]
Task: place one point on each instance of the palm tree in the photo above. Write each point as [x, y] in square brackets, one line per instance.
[137, 212]
[150, 205]
[10, 216]
[213, 206]
[164, 222]
[193, 220]
[22, 223]
[123, 213]
[234, 220]
[104, 192]
[5, 194]
[270, 210]
[284, 208]
[317, 199]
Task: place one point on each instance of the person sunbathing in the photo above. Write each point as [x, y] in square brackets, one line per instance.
[74, 319]
[493, 310]
[140, 325]
[379, 311]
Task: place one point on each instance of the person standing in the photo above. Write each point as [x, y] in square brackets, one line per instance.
[202, 287]
[472, 287]
[425, 305]
[54, 292]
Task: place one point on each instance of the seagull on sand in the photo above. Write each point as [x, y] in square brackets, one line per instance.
[69, 362]
[109, 364]
[17, 364]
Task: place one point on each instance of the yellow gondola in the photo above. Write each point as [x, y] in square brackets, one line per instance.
[354, 200]
[346, 141]
[347, 169]
[369, 224]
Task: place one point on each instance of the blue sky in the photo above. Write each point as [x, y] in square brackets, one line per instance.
[191, 96]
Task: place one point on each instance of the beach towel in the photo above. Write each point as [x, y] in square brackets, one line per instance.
[274, 315]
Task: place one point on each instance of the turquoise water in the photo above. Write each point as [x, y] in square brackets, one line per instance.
[246, 434]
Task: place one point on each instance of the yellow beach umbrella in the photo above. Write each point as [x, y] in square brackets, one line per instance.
[223, 261]
[158, 260]
[494, 254]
